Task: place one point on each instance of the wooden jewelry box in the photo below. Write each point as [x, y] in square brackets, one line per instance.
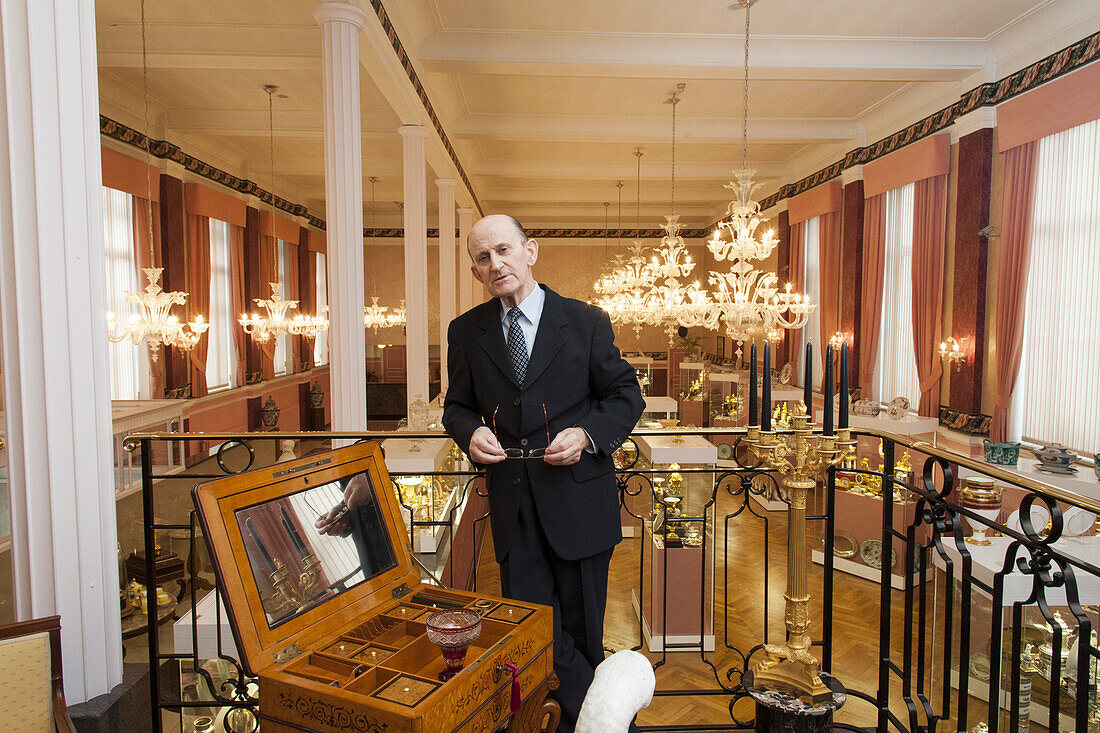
[333, 624]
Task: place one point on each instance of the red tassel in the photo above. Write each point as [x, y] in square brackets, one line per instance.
[515, 686]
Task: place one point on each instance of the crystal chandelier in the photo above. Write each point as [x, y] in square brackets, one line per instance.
[274, 322]
[154, 323]
[669, 302]
[747, 301]
[379, 316]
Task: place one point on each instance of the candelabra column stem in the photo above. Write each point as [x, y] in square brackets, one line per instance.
[797, 597]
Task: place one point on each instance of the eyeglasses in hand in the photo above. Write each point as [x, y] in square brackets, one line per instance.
[521, 453]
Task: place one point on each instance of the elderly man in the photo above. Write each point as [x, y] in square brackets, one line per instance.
[540, 396]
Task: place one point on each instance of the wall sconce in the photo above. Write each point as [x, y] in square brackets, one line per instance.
[837, 340]
[952, 353]
[775, 335]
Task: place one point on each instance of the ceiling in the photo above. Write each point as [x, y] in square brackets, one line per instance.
[545, 104]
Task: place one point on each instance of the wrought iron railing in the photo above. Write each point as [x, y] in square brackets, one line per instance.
[939, 643]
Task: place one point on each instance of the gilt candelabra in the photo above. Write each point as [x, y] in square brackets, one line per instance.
[791, 667]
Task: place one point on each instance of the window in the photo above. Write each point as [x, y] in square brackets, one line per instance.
[118, 236]
[896, 364]
[1058, 387]
[811, 333]
[280, 357]
[221, 356]
[320, 344]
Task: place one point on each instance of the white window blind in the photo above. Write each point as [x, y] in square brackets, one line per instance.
[320, 344]
[811, 333]
[280, 340]
[1058, 388]
[221, 356]
[118, 234]
[896, 364]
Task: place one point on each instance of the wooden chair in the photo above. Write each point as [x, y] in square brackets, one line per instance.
[31, 692]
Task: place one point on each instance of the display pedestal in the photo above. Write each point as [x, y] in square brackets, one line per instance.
[675, 600]
[777, 712]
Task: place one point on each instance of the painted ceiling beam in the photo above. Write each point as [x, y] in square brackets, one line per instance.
[580, 128]
[687, 172]
[684, 56]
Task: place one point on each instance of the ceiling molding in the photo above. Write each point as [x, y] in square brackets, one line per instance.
[1071, 58]
[418, 88]
[168, 151]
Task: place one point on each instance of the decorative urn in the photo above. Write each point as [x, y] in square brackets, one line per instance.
[269, 415]
[316, 395]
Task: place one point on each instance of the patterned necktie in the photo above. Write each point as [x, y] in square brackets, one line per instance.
[517, 346]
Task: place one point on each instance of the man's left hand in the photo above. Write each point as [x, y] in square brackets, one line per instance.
[566, 448]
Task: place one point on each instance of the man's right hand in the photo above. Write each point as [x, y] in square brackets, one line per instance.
[484, 447]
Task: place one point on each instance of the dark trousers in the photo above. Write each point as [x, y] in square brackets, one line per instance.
[577, 591]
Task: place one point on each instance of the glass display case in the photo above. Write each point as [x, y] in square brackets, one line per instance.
[674, 599]
[430, 501]
[726, 398]
[692, 395]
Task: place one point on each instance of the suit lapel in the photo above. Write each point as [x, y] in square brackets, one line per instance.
[548, 339]
[491, 339]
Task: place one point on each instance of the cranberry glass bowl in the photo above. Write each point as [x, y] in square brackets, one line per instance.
[453, 630]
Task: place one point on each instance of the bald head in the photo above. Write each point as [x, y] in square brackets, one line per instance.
[497, 220]
[502, 256]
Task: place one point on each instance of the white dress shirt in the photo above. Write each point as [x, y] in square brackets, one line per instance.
[530, 313]
[531, 310]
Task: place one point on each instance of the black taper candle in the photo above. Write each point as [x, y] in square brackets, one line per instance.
[808, 388]
[294, 536]
[843, 422]
[827, 391]
[766, 390]
[260, 545]
[753, 406]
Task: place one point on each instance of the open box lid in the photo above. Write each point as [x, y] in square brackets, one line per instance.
[287, 585]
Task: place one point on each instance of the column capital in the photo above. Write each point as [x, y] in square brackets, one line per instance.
[413, 131]
[465, 210]
[445, 183]
[850, 175]
[327, 12]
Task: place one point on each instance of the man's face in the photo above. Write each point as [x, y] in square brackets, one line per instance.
[502, 260]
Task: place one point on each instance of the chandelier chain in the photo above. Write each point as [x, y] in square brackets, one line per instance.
[638, 207]
[270, 89]
[674, 100]
[745, 97]
[619, 236]
[148, 139]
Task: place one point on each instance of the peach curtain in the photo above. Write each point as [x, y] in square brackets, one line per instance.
[1019, 183]
[147, 254]
[198, 302]
[874, 261]
[929, 233]
[237, 303]
[796, 276]
[829, 259]
[269, 273]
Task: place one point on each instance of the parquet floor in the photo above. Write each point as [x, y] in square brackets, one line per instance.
[855, 634]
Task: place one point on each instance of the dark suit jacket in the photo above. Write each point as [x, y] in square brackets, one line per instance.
[578, 374]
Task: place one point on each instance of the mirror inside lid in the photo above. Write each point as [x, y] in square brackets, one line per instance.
[297, 544]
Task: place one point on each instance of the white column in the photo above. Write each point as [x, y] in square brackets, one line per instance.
[340, 26]
[416, 262]
[53, 304]
[447, 305]
[466, 281]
